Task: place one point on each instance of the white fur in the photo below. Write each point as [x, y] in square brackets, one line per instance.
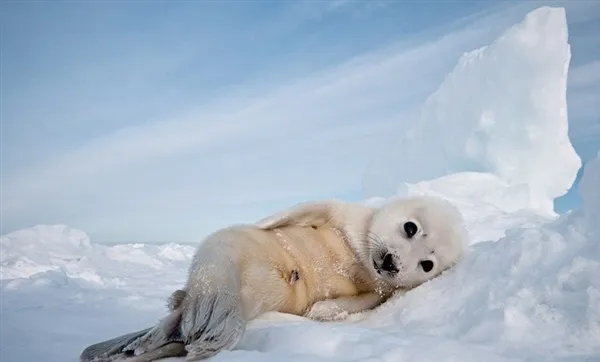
[441, 238]
[243, 271]
[440, 230]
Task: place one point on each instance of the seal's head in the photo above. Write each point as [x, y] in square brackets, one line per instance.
[412, 240]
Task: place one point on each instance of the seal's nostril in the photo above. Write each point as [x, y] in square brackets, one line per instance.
[388, 263]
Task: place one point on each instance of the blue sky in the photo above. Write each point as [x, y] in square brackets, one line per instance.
[161, 121]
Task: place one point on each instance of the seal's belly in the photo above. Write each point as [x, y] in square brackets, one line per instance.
[314, 264]
[290, 268]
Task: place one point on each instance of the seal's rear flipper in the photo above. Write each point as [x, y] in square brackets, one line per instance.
[111, 349]
[117, 349]
[137, 346]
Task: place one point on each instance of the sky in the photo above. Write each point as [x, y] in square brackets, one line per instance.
[162, 121]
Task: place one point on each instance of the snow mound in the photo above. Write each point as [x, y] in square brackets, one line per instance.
[38, 249]
[534, 294]
[502, 110]
[59, 255]
[489, 204]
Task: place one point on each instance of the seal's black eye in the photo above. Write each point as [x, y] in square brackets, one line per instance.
[410, 228]
[427, 265]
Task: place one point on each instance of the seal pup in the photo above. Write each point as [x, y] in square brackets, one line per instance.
[322, 260]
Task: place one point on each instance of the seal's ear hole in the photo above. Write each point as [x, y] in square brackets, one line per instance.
[314, 227]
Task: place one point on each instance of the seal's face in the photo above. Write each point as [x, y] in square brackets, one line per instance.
[411, 241]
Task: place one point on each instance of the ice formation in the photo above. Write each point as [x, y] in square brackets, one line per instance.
[502, 110]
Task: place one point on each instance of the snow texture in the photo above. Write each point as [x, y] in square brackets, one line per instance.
[502, 110]
[528, 288]
[532, 294]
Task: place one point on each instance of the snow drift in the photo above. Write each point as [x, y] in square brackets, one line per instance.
[527, 290]
[502, 110]
[27, 252]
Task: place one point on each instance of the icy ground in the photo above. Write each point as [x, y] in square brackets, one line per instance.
[531, 295]
[527, 290]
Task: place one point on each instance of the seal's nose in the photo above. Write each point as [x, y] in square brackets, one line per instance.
[388, 264]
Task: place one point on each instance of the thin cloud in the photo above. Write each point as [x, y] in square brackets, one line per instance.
[585, 75]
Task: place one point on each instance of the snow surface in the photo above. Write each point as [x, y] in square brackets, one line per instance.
[530, 295]
[527, 290]
[502, 110]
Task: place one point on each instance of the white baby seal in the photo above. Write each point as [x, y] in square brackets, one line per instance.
[322, 260]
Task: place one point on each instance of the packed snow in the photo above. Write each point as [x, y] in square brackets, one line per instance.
[502, 110]
[528, 288]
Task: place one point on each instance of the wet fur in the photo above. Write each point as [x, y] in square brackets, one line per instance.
[314, 259]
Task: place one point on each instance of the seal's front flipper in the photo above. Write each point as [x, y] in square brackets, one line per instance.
[341, 307]
[112, 349]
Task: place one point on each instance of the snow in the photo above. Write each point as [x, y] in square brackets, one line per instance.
[27, 252]
[530, 293]
[500, 206]
[502, 110]
[57, 298]
[528, 288]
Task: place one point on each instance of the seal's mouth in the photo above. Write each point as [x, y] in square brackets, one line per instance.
[376, 267]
